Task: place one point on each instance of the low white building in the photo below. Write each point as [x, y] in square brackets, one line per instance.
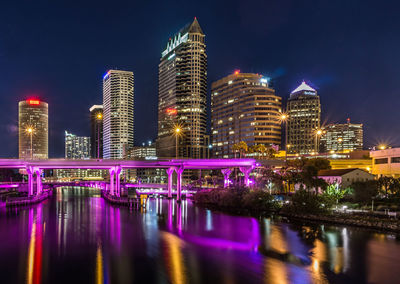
[345, 177]
[386, 162]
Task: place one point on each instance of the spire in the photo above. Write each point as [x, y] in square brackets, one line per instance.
[303, 87]
[195, 27]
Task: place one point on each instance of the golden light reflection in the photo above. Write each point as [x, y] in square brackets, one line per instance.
[31, 254]
[176, 265]
[276, 270]
[277, 241]
[99, 265]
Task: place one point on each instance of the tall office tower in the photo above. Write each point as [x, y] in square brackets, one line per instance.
[344, 137]
[33, 127]
[304, 120]
[118, 94]
[182, 95]
[96, 136]
[244, 108]
[76, 147]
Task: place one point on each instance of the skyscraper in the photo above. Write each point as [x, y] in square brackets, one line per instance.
[304, 119]
[118, 96]
[344, 137]
[96, 136]
[76, 147]
[33, 124]
[182, 94]
[244, 108]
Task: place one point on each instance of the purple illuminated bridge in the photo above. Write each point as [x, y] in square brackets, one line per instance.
[34, 169]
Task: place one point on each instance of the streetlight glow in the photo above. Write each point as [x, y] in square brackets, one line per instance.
[99, 116]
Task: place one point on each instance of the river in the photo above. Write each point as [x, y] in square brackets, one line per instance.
[76, 237]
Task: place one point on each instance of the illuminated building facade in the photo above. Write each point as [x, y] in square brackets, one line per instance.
[118, 107]
[244, 108]
[342, 137]
[386, 162]
[33, 127]
[145, 175]
[182, 95]
[77, 147]
[96, 135]
[304, 120]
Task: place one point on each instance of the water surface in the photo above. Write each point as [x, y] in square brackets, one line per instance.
[76, 237]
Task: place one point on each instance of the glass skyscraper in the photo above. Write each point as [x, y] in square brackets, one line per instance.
[96, 134]
[304, 120]
[33, 127]
[182, 95]
[76, 147]
[118, 107]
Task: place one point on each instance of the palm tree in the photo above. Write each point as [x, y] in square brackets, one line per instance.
[243, 148]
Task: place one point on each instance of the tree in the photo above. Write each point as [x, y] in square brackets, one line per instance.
[364, 191]
[242, 148]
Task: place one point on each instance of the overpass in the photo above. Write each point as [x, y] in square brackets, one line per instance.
[115, 167]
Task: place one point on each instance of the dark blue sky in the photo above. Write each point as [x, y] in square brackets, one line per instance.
[59, 51]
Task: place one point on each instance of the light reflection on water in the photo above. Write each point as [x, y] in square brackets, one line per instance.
[77, 237]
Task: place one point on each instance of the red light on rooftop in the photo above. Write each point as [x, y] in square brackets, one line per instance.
[237, 72]
[33, 102]
[171, 111]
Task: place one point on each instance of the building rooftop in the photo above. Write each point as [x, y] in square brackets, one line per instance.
[338, 172]
[303, 87]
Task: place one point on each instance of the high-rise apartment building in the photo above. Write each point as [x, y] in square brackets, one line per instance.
[76, 147]
[304, 120]
[33, 124]
[244, 108]
[182, 95]
[96, 135]
[344, 137]
[118, 107]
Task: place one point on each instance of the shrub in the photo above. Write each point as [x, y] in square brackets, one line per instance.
[260, 200]
[306, 202]
[364, 191]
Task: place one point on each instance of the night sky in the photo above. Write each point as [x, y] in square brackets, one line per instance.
[59, 51]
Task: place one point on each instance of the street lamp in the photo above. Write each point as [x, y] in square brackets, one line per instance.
[29, 130]
[284, 117]
[318, 134]
[99, 118]
[177, 133]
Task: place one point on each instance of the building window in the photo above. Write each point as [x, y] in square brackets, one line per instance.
[395, 160]
[381, 161]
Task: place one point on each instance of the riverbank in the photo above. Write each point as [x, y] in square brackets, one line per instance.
[28, 200]
[349, 219]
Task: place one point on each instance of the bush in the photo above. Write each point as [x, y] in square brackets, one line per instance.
[260, 200]
[309, 203]
[237, 198]
[364, 191]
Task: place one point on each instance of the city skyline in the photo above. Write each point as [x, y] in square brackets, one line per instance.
[328, 75]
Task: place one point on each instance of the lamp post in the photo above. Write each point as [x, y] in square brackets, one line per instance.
[177, 133]
[318, 133]
[284, 119]
[99, 117]
[340, 147]
[29, 130]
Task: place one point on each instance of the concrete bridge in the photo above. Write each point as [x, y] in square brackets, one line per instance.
[34, 169]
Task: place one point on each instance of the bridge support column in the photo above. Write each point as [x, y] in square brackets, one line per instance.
[118, 181]
[112, 177]
[246, 172]
[30, 172]
[179, 171]
[170, 172]
[39, 186]
[226, 173]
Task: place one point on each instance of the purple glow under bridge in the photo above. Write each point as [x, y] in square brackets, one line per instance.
[35, 168]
